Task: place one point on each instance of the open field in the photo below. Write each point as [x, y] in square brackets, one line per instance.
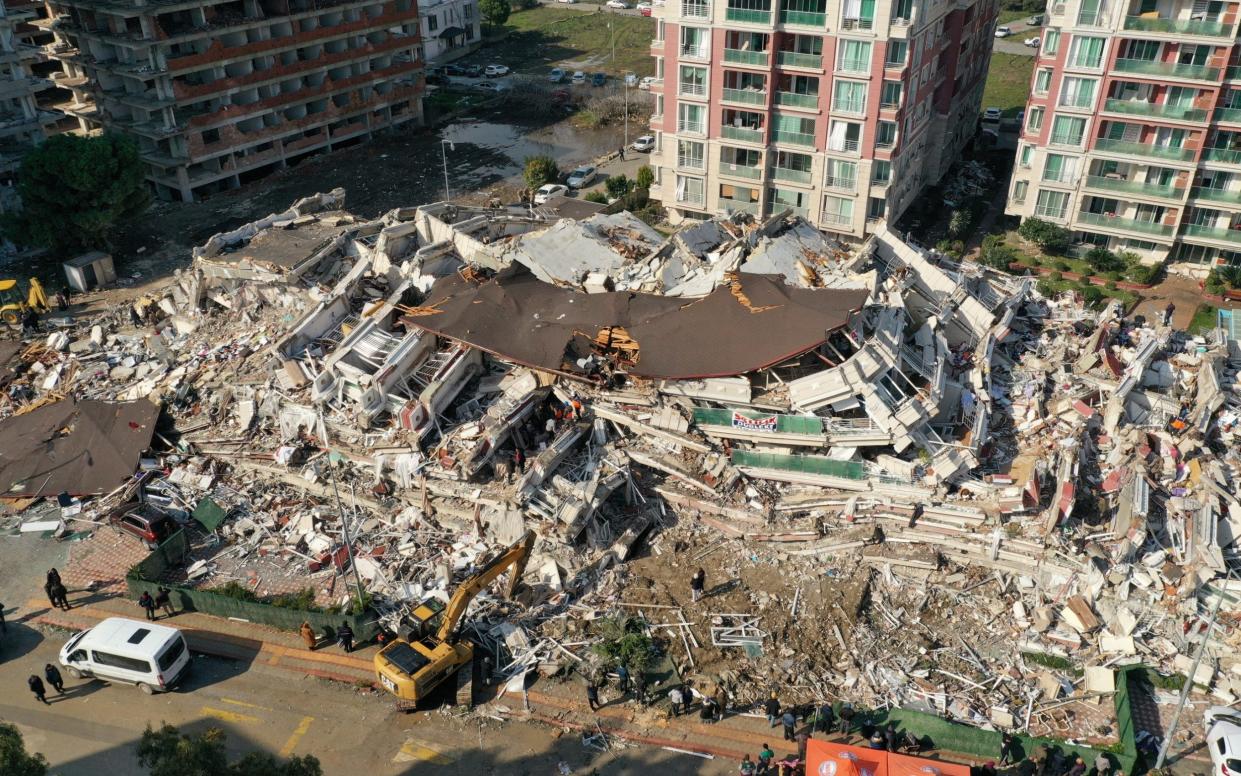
[544, 37]
[1008, 82]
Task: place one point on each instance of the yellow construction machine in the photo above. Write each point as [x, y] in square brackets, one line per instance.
[13, 308]
[412, 669]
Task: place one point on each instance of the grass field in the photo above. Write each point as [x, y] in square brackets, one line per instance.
[1205, 318]
[1013, 16]
[1008, 82]
[541, 38]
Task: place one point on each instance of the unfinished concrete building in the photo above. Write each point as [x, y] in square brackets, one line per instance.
[219, 92]
[23, 122]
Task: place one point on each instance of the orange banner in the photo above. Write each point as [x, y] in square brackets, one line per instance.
[824, 758]
[907, 765]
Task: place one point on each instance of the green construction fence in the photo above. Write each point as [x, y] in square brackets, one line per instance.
[784, 424]
[144, 578]
[804, 464]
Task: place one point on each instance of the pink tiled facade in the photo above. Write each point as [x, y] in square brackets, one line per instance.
[1132, 133]
[842, 111]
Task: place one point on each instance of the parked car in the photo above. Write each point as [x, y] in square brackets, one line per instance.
[491, 86]
[644, 143]
[644, 9]
[599, 79]
[991, 114]
[582, 176]
[454, 70]
[579, 77]
[1036, 20]
[1003, 32]
[473, 71]
[617, 4]
[147, 523]
[153, 657]
[1034, 42]
[556, 76]
[1223, 734]
[549, 190]
[495, 71]
[570, 2]
[645, 83]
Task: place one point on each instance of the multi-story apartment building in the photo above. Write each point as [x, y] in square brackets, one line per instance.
[842, 110]
[23, 123]
[450, 28]
[1132, 133]
[220, 91]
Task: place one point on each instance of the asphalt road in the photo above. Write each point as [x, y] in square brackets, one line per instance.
[1014, 44]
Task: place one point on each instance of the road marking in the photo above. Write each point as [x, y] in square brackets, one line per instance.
[415, 750]
[302, 727]
[227, 716]
[243, 703]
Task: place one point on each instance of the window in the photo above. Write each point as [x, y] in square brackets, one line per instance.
[859, 14]
[691, 118]
[1086, 52]
[1051, 42]
[1034, 120]
[880, 171]
[844, 136]
[433, 22]
[690, 190]
[782, 198]
[885, 134]
[693, 81]
[756, 11]
[896, 53]
[695, 42]
[690, 155]
[138, 635]
[875, 207]
[838, 211]
[1051, 204]
[1077, 92]
[794, 129]
[1068, 130]
[840, 174]
[849, 97]
[1091, 13]
[854, 56]
[172, 654]
[695, 9]
[890, 97]
[1019, 191]
[1058, 168]
[1026, 152]
[1042, 81]
[119, 661]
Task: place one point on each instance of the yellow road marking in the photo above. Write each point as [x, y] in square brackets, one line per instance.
[243, 703]
[227, 716]
[302, 727]
[421, 751]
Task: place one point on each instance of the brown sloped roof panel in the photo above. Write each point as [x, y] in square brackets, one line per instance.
[85, 448]
[754, 323]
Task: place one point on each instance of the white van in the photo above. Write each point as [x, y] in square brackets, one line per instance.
[151, 656]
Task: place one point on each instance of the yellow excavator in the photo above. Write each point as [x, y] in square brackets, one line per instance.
[412, 669]
[13, 308]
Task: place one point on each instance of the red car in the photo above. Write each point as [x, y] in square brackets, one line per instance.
[148, 524]
[644, 9]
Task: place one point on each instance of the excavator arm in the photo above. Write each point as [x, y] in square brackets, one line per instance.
[516, 556]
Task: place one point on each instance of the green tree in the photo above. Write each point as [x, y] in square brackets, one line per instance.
[1047, 236]
[76, 191]
[596, 196]
[540, 170]
[995, 253]
[622, 641]
[645, 177]
[168, 752]
[1102, 260]
[959, 223]
[618, 186]
[13, 758]
[495, 11]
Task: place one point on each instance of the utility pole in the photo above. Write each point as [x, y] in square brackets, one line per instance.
[612, 30]
[444, 153]
[1189, 681]
[340, 510]
[626, 112]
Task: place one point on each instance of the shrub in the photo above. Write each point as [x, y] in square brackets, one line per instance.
[303, 600]
[1063, 266]
[959, 223]
[996, 254]
[1046, 235]
[1093, 295]
[618, 186]
[646, 177]
[1214, 283]
[1113, 275]
[596, 196]
[1056, 277]
[1110, 285]
[540, 170]
[1103, 260]
[1231, 276]
[235, 590]
[1142, 273]
[1044, 287]
[623, 641]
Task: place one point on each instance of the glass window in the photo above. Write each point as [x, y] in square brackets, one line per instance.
[1068, 130]
[896, 52]
[693, 80]
[172, 654]
[885, 134]
[1034, 120]
[1019, 191]
[690, 154]
[1042, 81]
[1077, 92]
[854, 56]
[691, 118]
[840, 174]
[838, 210]
[849, 97]
[1051, 204]
[1058, 168]
[1051, 42]
[119, 661]
[1087, 52]
[690, 190]
[891, 95]
[1026, 152]
[881, 171]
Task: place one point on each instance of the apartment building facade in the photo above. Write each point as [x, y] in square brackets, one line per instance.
[1132, 132]
[450, 28]
[843, 110]
[217, 92]
[24, 121]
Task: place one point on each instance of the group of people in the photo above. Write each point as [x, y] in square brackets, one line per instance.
[162, 600]
[1043, 762]
[344, 636]
[542, 427]
[56, 591]
[625, 682]
[52, 674]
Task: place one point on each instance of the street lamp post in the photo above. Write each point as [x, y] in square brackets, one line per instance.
[626, 113]
[444, 153]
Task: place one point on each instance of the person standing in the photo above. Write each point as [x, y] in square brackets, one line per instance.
[639, 686]
[697, 583]
[847, 713]
[592, 696]
[61, 595]
[772, 707]
[1008, 749]
[747, 766]
[53, 576]
[62, 299]
[790, 724]
[889, 737]
[1167, 314]
[1079, 767]
[308, 635]
[49, 588]
[721, 700]
[675, 696]
[1102, 765]
[345, 636]
[52, 674]
[622, 678]
[148, 603]
[36, 687]
[765, 756]
[827, 718]
[519, 460]
[163, 599]
[802, 739]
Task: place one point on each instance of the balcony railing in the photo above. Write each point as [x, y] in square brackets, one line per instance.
[888, 105]
[849, 65]
[747, 96]
[1213, 233]
[1155, 110]
[1144, 149]
[836, 219]
[858, 24]
[1091, 18]
[739, 206]
[1185, 26]
[803, 18]
[695, 10]
[847, 146]
[794, 138]
[849, 106]
[1055, 213]
[692, 89]
[695, 52]
[842, 184]
[793, 176]
[744, 134]
[1150, 67]
[1104, 183]
[737, 56]
[778, 207]
[741, 170]
[690, 163]
[797, 100]
[693, 127]
[796, 59]
[1229, 115]
[1225, 155]
[885, 142]
[747, 16]
[1232, 73]
[1217, 195]
[1127, 224]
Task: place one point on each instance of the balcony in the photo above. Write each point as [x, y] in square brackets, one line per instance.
[692, 89]
[793, 100]
[747, 96]
[778, 207]
[747, 16]
[1228, 115]
[1154, 110]
[744, 134]
[739, 206]
[793, 138]
[694, 163]
[1126, 224]
[795, 59]
[804, 18]
[1225, 155]
[695, 10]
[792, 176]
[858, 24]
[1213, 233]
[692, 127]
[1141, 188]
[695, 52]
[1145, 150]
[1183, 26]
[1167, 69]
[842, 184]
[844, 146]
[836, 219]
[741, 170]
[1217, 195]
[1054, 213]
[739, 57]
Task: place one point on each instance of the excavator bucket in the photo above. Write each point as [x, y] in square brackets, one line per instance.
[37, 298]
[465, 685]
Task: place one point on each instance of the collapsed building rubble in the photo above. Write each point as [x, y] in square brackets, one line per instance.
[926, 483]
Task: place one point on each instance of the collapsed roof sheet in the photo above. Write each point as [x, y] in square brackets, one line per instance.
[751, 323]
[85, 448]
[568, 250]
